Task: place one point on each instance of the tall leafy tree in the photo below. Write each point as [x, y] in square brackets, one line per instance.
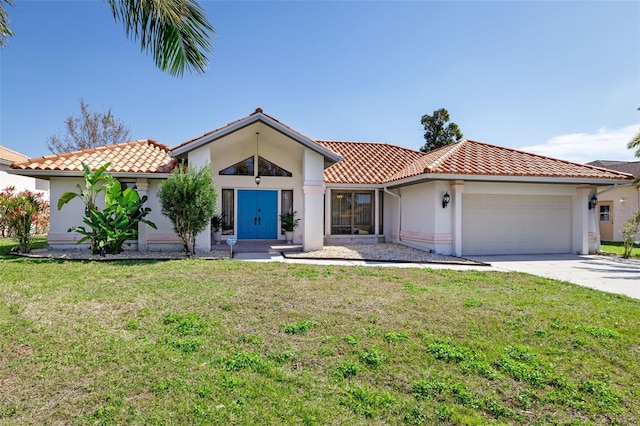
[438, 132]
[176, 32]
[188, 199]
[88, 130]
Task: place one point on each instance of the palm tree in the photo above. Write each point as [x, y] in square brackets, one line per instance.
[177, 32]
[635, 143]
[4, 22]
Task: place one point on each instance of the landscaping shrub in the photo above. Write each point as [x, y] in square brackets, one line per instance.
[117, 222]
[189, 200]
[21, 214]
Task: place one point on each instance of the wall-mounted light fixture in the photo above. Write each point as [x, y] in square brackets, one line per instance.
[258, 179]
[445, 200]
[623, 200]
[593, 202]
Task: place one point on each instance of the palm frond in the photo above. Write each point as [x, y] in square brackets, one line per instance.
[5, 31]
[177, 32]
[635, 143]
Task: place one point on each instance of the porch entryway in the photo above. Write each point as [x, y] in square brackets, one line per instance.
[257, 214]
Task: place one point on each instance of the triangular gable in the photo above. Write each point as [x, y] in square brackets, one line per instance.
[257, 116]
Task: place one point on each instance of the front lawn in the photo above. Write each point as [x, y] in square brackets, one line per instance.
[614, 247]
[231, 342]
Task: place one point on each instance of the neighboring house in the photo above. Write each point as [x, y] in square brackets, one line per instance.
[617, 204]
[8, 157]
[467, 198]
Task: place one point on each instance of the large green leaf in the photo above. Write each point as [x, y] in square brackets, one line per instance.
[65, 198]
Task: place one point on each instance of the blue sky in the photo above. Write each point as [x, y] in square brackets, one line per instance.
[557, 78]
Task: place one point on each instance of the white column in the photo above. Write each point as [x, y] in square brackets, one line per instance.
[581, 219]
[376, 213]
[457, 187]
[142, 186]
[313, 209]
[313, 237]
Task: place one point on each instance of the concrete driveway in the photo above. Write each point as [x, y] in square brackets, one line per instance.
[610, 274]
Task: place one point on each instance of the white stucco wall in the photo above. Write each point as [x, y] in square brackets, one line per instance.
[23, 182]
[626, 203]
[70, 215]
[164, 238]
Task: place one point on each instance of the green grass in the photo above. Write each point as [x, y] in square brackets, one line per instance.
[614, 247]
[229, 342]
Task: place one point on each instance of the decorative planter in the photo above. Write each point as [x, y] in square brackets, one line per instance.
[217, 236]
[288, 235]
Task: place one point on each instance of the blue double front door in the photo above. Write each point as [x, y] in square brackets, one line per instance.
[257, 214]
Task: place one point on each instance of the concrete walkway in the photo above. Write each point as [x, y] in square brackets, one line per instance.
[610, 274]
[606, 273]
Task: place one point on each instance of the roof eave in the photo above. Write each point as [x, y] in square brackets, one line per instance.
[65, 173]
[506, 179]
[247, 121]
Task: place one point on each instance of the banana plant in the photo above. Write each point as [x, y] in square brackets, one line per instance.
[108, 229]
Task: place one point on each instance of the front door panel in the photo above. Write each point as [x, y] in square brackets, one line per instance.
[257, 215]
[605, 215]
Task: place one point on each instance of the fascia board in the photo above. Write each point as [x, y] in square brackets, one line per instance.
[506, 179]
[249, 121]
[43, 174]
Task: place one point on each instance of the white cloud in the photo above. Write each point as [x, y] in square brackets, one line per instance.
[605, 144]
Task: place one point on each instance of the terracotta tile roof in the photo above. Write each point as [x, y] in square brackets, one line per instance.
[143, 156]
[366, 162]
[10, 155]
[632, 167]
[376, 163]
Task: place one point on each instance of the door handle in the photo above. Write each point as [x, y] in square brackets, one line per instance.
[255, 220]
[259, 220]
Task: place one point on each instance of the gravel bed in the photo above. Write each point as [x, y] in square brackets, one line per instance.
[126, 255]
[385, 252]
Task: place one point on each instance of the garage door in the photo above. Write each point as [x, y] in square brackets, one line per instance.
[515, 224]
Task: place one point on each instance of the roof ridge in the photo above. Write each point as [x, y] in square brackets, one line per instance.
[450, 149]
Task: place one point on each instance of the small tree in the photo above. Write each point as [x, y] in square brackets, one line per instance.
[20, 213]
[438, 132]
[629, 234]
[109, 228]
[89, 130]
[188, 199]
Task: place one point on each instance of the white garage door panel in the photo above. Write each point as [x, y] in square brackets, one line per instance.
[518, 224]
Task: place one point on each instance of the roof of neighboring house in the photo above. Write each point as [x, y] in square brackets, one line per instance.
[376, 163]
[143, 156]
[632, 167]
[11, 156]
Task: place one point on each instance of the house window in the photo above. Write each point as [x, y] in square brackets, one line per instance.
[267, 168]
[604, 213]
[246, 168]
[352, 212]
[286, 202]
[242, 168]
[228, 211]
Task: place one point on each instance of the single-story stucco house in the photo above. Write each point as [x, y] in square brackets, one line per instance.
[619, 203]
[467, 198]
[20, 183]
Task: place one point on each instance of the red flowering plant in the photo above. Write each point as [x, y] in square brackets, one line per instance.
[20, 214]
